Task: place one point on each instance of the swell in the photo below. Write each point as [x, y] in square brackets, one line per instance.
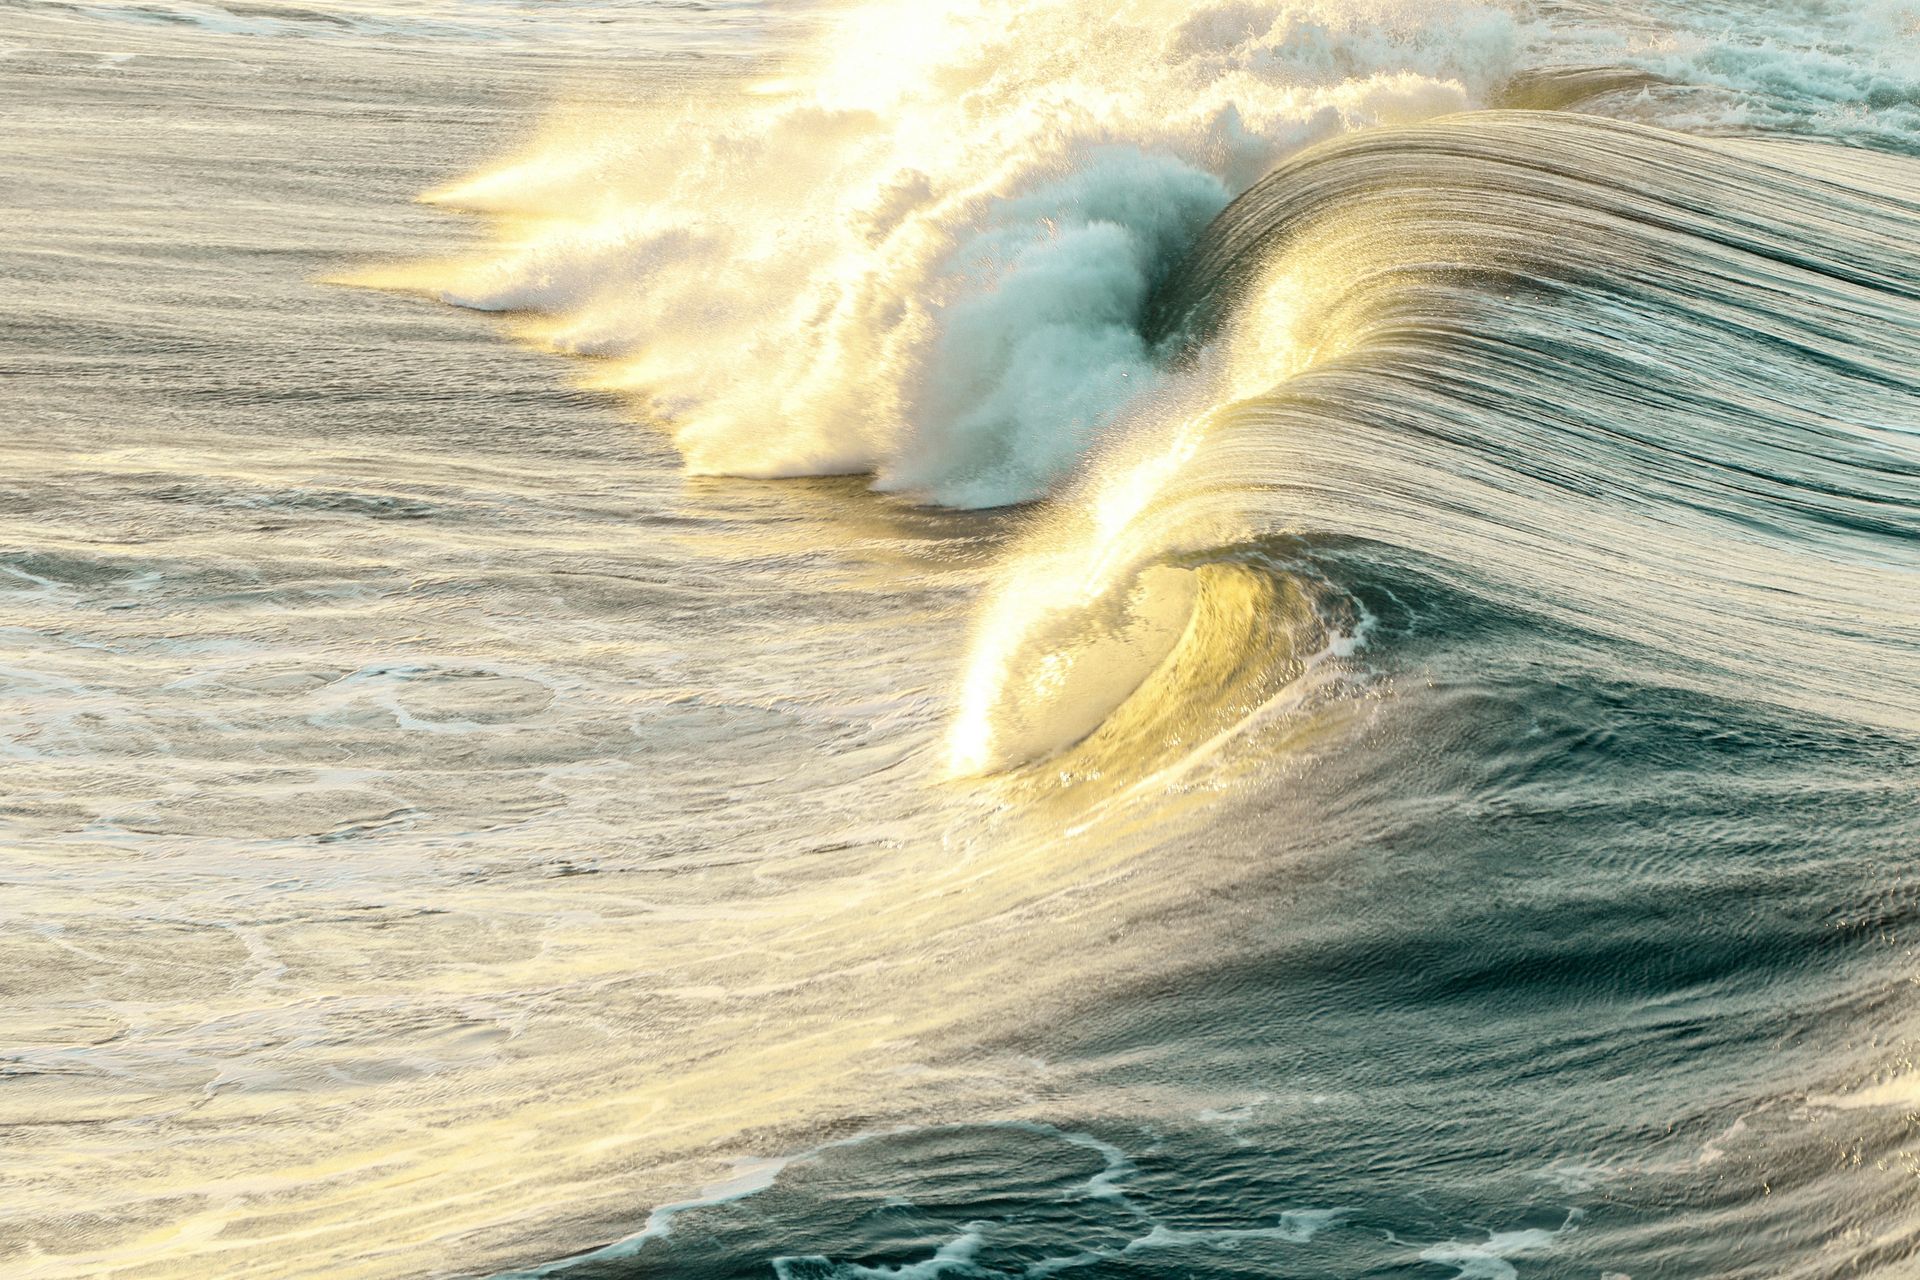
[1657, 389]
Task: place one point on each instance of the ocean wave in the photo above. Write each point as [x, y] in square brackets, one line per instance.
[1247, 272]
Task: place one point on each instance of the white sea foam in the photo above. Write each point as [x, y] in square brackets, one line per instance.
[925, 251]
[955, 1255]
[1489, 1259]
[754, 1176]
[1295, 1227]
[1850, 70]
[758, 1175]
[922, 249]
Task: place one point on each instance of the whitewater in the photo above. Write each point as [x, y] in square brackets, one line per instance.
[989, 638]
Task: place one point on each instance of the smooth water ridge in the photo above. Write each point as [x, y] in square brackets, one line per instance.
[983, 638]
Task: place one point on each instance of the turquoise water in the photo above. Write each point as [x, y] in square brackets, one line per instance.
[961, 641]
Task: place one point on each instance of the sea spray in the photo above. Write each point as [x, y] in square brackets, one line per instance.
[921, 249]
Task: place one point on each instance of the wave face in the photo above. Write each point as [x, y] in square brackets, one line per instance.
[1657, 389]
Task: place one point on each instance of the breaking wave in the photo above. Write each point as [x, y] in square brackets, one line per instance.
[1235, 277]
[926, 250]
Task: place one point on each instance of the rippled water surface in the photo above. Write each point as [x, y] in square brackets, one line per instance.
[994, 639]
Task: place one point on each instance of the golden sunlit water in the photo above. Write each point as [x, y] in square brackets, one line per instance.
[996, 638]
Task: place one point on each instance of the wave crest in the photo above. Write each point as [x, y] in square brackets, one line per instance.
[923, 250]
[1653, 389]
